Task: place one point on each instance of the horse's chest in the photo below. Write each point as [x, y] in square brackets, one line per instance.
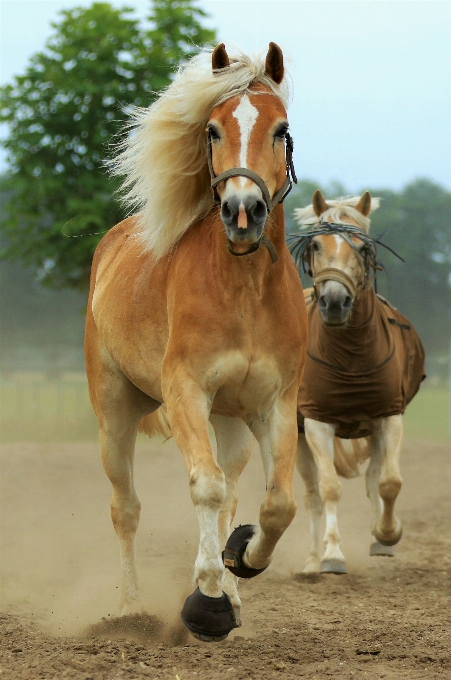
[243, 384]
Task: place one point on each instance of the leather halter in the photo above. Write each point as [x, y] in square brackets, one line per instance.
[299, 246]
[270, 203]
[333, 274]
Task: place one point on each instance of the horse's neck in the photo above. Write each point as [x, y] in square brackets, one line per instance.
[364, 312]
[365, 341]
[254, 272]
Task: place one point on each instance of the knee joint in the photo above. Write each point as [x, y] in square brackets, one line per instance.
[125, 518]
[277, 512]
[330, 490]
[207, 487]
[389, 488]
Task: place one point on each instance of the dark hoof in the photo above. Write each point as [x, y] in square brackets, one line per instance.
[390, 541]
[235, 549]
[333, 567]
[208, 618]
[379, 550]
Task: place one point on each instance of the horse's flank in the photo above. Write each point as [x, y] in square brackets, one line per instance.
[163, 156]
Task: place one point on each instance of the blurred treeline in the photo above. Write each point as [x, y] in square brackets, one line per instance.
[42, 329]
[64, 114]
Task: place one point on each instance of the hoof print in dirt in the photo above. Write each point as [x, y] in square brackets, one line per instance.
[208, 618]
[235, 549]
[333, 567]
[379, 550]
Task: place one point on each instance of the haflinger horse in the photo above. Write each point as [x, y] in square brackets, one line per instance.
[364, 364]
[186, 310]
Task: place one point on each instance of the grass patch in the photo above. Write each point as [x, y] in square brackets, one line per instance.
[428, 415]
[45, 410]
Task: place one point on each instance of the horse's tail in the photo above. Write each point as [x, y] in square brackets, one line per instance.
[349, 454]
[156, 423]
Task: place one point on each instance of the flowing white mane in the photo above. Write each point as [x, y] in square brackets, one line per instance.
[337, 212]
[164, 157]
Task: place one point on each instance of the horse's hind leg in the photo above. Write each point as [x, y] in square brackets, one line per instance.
[313, 503]
[384, 481]
[234, 444]
[320, 438]
[119, 407]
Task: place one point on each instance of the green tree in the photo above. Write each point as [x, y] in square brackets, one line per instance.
[416, 221]
[62, 115]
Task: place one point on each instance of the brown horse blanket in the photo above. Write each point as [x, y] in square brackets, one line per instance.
[369, 369]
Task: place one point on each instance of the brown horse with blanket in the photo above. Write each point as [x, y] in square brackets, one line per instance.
[365, 362]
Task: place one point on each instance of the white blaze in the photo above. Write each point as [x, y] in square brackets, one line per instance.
[338, 241]
[246, 115]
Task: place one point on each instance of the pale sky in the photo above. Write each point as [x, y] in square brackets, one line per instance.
[372, 78]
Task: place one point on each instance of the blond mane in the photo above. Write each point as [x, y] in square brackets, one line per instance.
[338, 210]
[163, 158]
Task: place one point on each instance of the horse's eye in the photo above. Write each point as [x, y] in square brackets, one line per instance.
[214, 134]
[281, 132]
[315, 246]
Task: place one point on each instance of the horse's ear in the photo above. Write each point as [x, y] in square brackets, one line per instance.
[220, 58]
[319, 203]
[364, 204]
[274, 63]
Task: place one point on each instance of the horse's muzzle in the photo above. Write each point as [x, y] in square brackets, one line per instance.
[335, 308]
[244, 219]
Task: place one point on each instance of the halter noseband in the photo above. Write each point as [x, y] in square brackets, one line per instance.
[270, 203]
[299, 245]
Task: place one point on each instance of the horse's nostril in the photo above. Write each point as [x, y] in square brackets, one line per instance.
[322, 302]
[226, 212]
[259, 211]
[347, 302]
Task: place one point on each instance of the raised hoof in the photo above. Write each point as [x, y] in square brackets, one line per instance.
[331, 566]
[208, 618]
[388, 541]
[379, 550]
[235, 549]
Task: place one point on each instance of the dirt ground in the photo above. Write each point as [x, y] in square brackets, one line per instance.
[388, 618]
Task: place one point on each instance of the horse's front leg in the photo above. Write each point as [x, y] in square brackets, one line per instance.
[234, 444]
[208, 612]
[384, 480]
[277, 437]
[320, 438]
[313, 503]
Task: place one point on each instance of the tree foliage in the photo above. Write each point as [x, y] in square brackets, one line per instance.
[416, 224]
[63, 114]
